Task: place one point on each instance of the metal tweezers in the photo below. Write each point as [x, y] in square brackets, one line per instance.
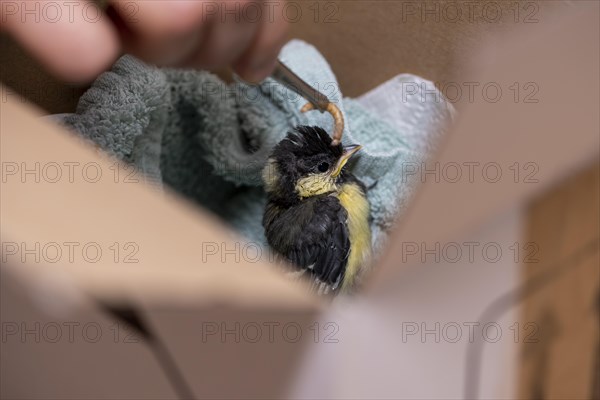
[316, 99]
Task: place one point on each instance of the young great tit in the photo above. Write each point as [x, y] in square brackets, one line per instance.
[317, 215]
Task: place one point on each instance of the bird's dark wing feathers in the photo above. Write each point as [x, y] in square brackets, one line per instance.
[312, 235]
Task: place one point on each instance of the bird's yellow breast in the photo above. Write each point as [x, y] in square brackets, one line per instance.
[356, 205]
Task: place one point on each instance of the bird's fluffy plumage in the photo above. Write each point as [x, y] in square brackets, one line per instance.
[305, 220]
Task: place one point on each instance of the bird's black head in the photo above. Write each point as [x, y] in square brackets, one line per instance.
[305, 164]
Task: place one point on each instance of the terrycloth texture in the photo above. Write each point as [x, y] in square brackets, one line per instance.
[209, 140]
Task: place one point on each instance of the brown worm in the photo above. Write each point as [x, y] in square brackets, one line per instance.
[338, 120]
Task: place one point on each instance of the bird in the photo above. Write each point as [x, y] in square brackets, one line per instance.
[317, 213]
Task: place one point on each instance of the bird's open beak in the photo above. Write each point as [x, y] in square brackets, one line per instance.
[349, 151]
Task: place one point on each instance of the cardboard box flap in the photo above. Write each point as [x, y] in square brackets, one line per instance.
[511, 144]
[66, 207]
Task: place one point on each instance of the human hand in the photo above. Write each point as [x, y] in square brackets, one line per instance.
[76, 43]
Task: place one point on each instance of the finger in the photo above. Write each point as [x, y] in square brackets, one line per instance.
[162, 32]
[233, 25]
[259, 59]
[72, 39]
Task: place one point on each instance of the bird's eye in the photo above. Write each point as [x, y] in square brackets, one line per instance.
[323, 166]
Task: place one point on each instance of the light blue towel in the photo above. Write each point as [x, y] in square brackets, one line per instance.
[209, 140]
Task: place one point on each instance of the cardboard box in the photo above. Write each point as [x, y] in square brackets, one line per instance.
[425, 326]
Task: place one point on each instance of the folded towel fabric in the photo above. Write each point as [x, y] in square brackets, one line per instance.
[209, 140]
